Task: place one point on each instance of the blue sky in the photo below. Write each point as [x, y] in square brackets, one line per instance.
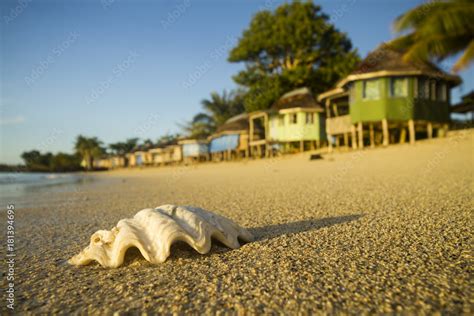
[121, 69]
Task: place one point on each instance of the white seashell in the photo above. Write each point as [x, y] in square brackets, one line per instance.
[153, 231]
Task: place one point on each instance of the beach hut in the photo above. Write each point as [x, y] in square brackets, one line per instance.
[172, 154]
[386, 96]
[295, 120]
[102, 163]
[465, 107]
[157, 156]
[139, 158]
[194, 149]
[117, 162]
[230, 139]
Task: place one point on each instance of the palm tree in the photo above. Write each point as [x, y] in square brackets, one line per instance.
[88, 149]
[222, 107]
[201, 126]
[439, 29]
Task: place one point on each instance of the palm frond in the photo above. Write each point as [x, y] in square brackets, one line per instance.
[466, 58]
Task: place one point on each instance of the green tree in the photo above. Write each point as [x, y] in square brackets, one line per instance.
[217, 109]
[88, 148]
[35, 161]
[167, 139]
[122, 148]
[148, 143]
[62, 162]
[221, 107]
[292, 47]
[437, 30]
[201, 126]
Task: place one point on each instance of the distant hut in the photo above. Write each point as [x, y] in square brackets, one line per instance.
[194, 149]
[102, 163]
[157, 156]
[172, 154]
[295, 120]
[230, 139]
[140, 157]
[384, 97]
[117, 162]
[465, 107]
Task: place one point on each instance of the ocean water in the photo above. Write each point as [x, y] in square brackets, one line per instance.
[21, 187]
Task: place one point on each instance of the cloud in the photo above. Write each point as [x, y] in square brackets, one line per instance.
[14, 120]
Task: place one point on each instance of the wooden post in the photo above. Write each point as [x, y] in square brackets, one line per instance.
[411, 131]
[360, 129]
[301, 145]
[346, 140]
[353, 139]
[337, 141]
[445, 130]
[429, 130]
[403, 135]
[371, 135]
[385, 132]
[251, 130]
[329, 143]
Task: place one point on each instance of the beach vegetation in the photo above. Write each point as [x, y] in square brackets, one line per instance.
[436, 30]
[291, 47]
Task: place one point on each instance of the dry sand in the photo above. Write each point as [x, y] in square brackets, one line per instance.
[374, 231]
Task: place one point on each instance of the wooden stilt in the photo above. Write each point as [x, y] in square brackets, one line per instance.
[411, 131]
[329, 143]
[385, 132]
[337, 141]
[371, 135]
[353, 138]
[301, 145]
[318, 144]
[403, 135]
[429, 130]
[311, 145]
[445, 130]
[346, 139]
[360, 131]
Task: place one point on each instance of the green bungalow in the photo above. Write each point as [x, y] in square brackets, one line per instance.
[296, 120]
[386, 95]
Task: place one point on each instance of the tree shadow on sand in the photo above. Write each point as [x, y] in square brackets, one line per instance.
[273, 231]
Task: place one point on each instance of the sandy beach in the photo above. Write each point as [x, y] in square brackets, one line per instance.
[375, 231]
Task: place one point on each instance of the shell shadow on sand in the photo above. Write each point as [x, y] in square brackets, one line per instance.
[274, 231]
[183, 250]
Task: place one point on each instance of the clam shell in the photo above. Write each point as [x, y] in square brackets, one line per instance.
[153, 231]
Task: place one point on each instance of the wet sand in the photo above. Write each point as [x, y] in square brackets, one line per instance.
[375, 231]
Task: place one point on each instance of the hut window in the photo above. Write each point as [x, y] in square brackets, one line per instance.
[433, 90]
[423, 88]
[441, 92]
[398, 87]
[281, 120]
[352, 93]
[309, 118]
[293, 118]
[371, 89]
